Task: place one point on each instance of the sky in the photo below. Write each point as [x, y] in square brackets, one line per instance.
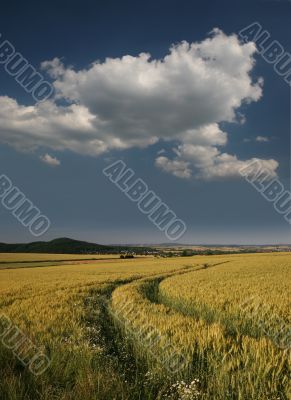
[169, 88]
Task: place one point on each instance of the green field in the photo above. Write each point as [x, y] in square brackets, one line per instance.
[202, 327]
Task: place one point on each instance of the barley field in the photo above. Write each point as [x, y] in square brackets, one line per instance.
[202, 327]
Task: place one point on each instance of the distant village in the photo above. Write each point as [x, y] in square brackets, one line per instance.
[184, 252]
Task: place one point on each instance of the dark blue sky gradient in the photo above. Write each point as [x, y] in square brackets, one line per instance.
[78, 199]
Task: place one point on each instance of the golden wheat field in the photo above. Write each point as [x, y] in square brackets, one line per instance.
[202, 327]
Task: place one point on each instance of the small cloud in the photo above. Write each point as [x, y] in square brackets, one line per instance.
[241, 117]
[262, 139]
[162, 151]
[176, 167]
[52, 161]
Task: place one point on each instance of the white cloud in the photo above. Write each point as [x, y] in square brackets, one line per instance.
[178, 168]
[52, 161]
[209, 163]
[135, 101]
[199, 156]
[262, 139]
[162, 151]
[228, 166]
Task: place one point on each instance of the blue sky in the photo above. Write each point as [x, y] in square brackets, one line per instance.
[180, 120]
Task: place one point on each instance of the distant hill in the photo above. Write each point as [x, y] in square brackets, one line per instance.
[65, 246]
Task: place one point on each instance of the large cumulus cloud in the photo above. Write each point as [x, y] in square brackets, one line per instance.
[135, 101]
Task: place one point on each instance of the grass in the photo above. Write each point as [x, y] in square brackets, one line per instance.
[131, 329]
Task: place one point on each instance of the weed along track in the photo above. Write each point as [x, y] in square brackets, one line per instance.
[126, 331]
[108, 346]
[112, 341]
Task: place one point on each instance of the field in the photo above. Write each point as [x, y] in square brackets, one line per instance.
[202, 327]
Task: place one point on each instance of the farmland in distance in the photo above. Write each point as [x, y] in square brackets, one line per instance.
[202, 327]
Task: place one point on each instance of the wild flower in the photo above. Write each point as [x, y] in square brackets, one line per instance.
[184, 391]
